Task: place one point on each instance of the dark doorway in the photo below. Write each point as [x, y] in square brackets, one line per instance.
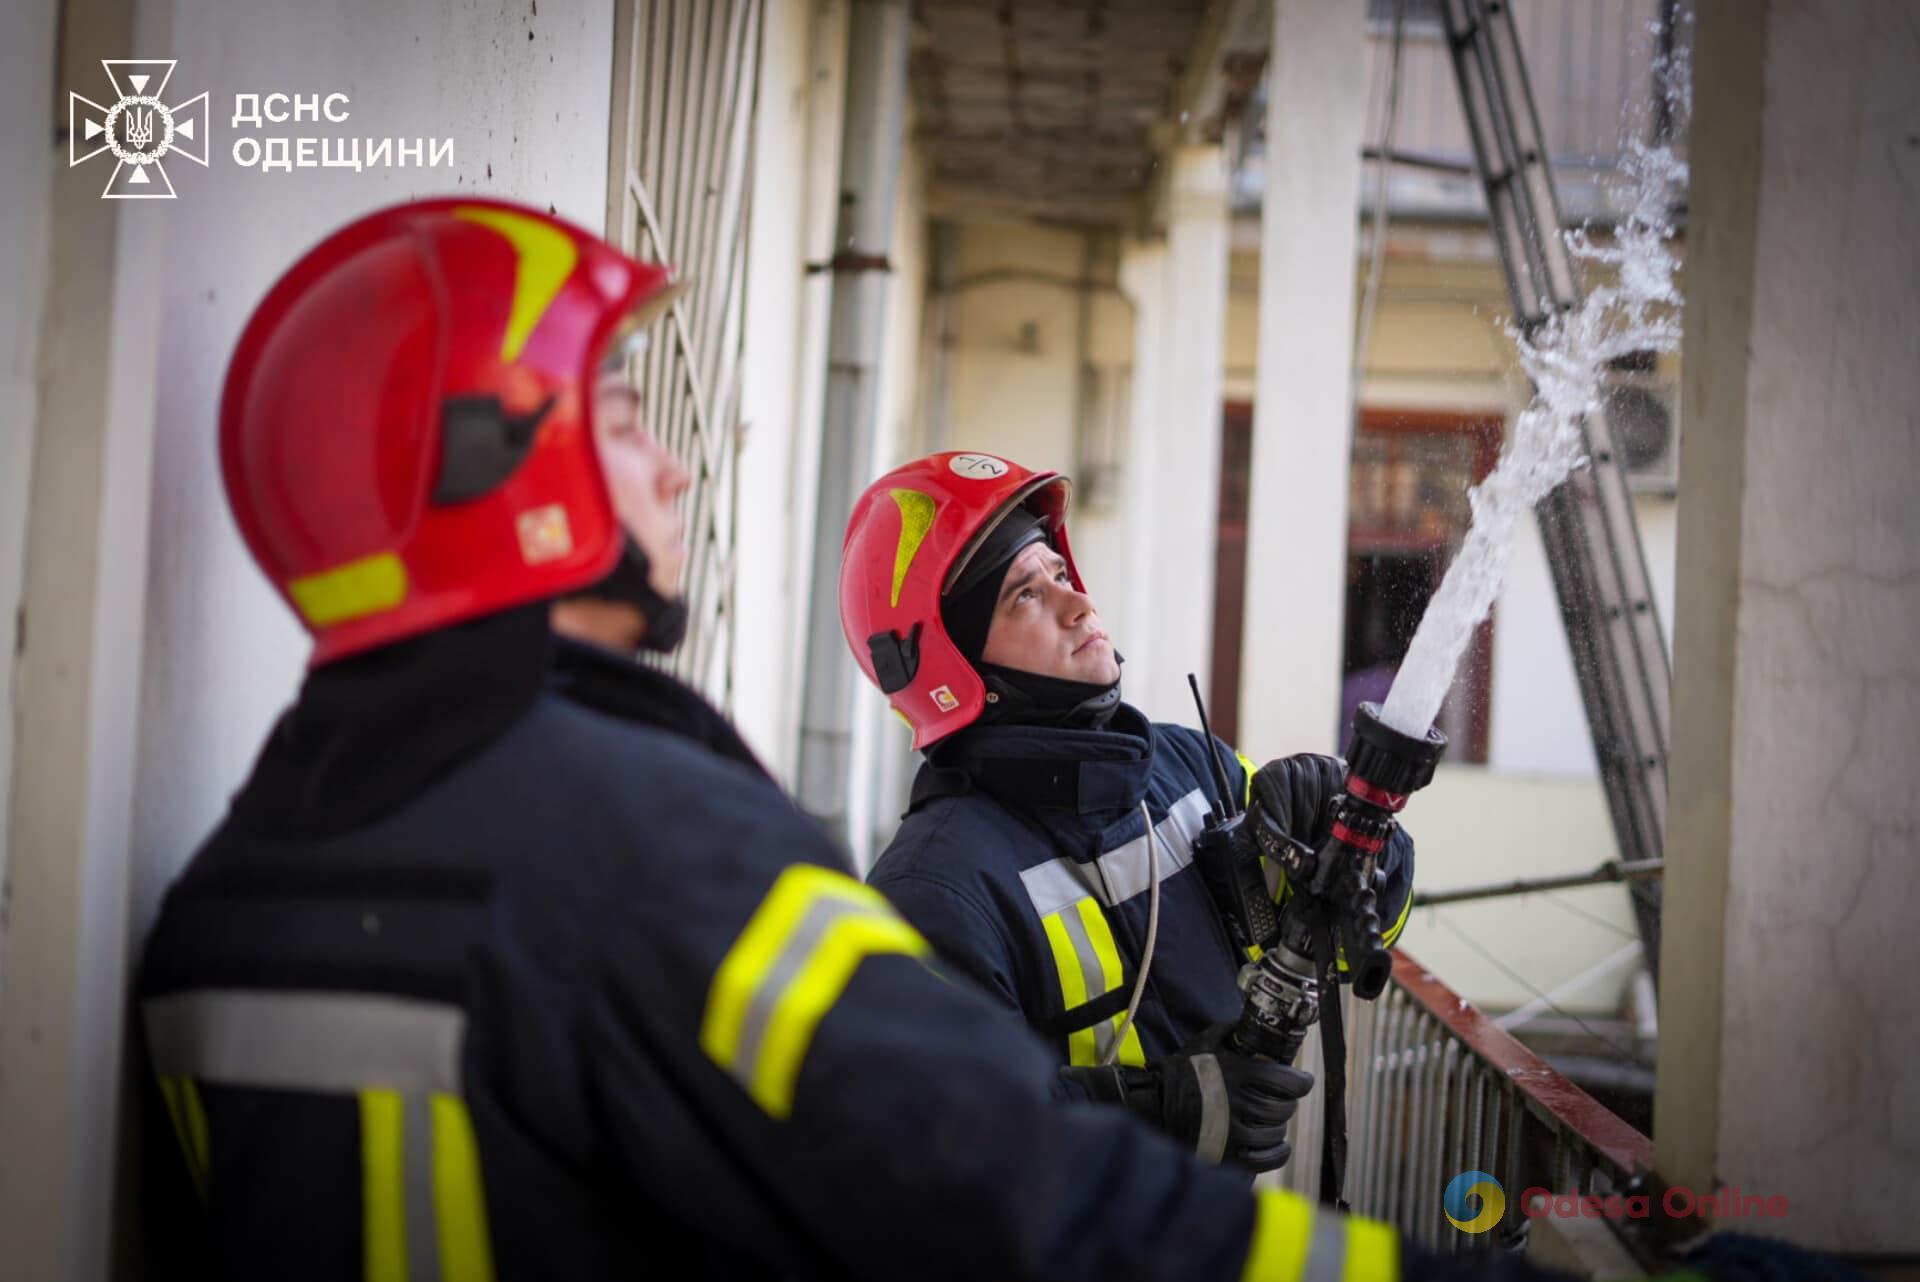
[1230, 568]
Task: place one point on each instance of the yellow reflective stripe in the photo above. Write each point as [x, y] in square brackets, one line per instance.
[1079, 982]
[196, 1117]
[189, 1127]
[916, 518]
[1282, 1230]
[812, 994]
[459, 1202]
[748, 961]
[1277, 876]
[1073, 985]
[1373, 1252]
[544, 257]
[366, 586]
[1406, 910]
[792, 961]
[1073, 989]
[1101, 936]
[382, 1205]
[1130, 1052]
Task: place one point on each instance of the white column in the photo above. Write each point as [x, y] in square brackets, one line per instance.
[1125, 600]
[1788, 1002]
[1181, 454]
[1302, 418]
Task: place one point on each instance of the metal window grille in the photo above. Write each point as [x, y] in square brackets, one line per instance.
[680, 191]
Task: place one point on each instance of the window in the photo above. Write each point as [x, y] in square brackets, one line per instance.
[1407, 516]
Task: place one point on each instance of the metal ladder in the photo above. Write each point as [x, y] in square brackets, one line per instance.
[1587, 524]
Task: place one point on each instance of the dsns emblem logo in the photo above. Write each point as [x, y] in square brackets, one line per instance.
[139, 129]
[1457, 1200]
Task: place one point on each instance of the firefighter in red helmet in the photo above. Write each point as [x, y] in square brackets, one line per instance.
[507, 961]
[1048, 850]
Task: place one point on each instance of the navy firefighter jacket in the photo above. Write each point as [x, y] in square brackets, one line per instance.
[1024, 860]
[495, 976]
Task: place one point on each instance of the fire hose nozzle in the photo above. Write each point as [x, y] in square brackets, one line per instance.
[1387, 765]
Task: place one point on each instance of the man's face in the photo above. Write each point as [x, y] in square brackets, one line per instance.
[644, 479]
[1042, 624]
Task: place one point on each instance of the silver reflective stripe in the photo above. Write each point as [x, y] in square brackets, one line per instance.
[1216, 1110]
[1126, 868]
[1327, 1248]
[1090, 970]
[1060, 883]
[1124, 871]
[332, 1043]
[308, 1041]
[801, 944]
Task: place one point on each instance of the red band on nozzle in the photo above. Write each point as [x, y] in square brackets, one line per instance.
[1358, 840]
[1390, 801]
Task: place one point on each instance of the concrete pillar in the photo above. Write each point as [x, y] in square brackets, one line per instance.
[1303, 401]
[1177, 466]
[1788, 1002]
[1125, 600]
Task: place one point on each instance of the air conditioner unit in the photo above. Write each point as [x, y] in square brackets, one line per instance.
[1643, 410]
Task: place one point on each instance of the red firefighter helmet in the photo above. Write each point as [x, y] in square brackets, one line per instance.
[405, 434]
[909, 538]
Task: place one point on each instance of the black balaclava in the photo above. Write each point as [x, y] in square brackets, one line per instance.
[627, 583]
[1013, 696]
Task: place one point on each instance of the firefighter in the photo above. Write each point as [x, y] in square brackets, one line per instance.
[494, 972]
[1047, 851]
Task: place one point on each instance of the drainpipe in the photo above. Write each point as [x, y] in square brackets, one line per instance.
[869, 171]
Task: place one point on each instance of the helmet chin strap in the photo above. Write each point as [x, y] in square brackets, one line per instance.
[627, 583]
[1027, 698]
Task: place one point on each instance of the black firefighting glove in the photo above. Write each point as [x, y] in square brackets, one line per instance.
[1293, 793]
[1229, 1106]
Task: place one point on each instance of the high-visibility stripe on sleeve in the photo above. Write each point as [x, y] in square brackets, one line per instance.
[847, 942]
[1282, 1228]
[1073, 987]
[1246, 764]
[1293, 1241]
[382, 1199]
[189, 1127]
[1373, 1252]
[1112, 976]
[1276, 876]
[1089, 965]
[459, 1203]
[1406, 910]
[423, 1204]
[789, 966]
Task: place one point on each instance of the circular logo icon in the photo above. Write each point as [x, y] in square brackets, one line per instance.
[132, 126]
[1458, 1199]
[977, 467]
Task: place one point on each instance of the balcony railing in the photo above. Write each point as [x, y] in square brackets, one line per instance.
[1435, 1089]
